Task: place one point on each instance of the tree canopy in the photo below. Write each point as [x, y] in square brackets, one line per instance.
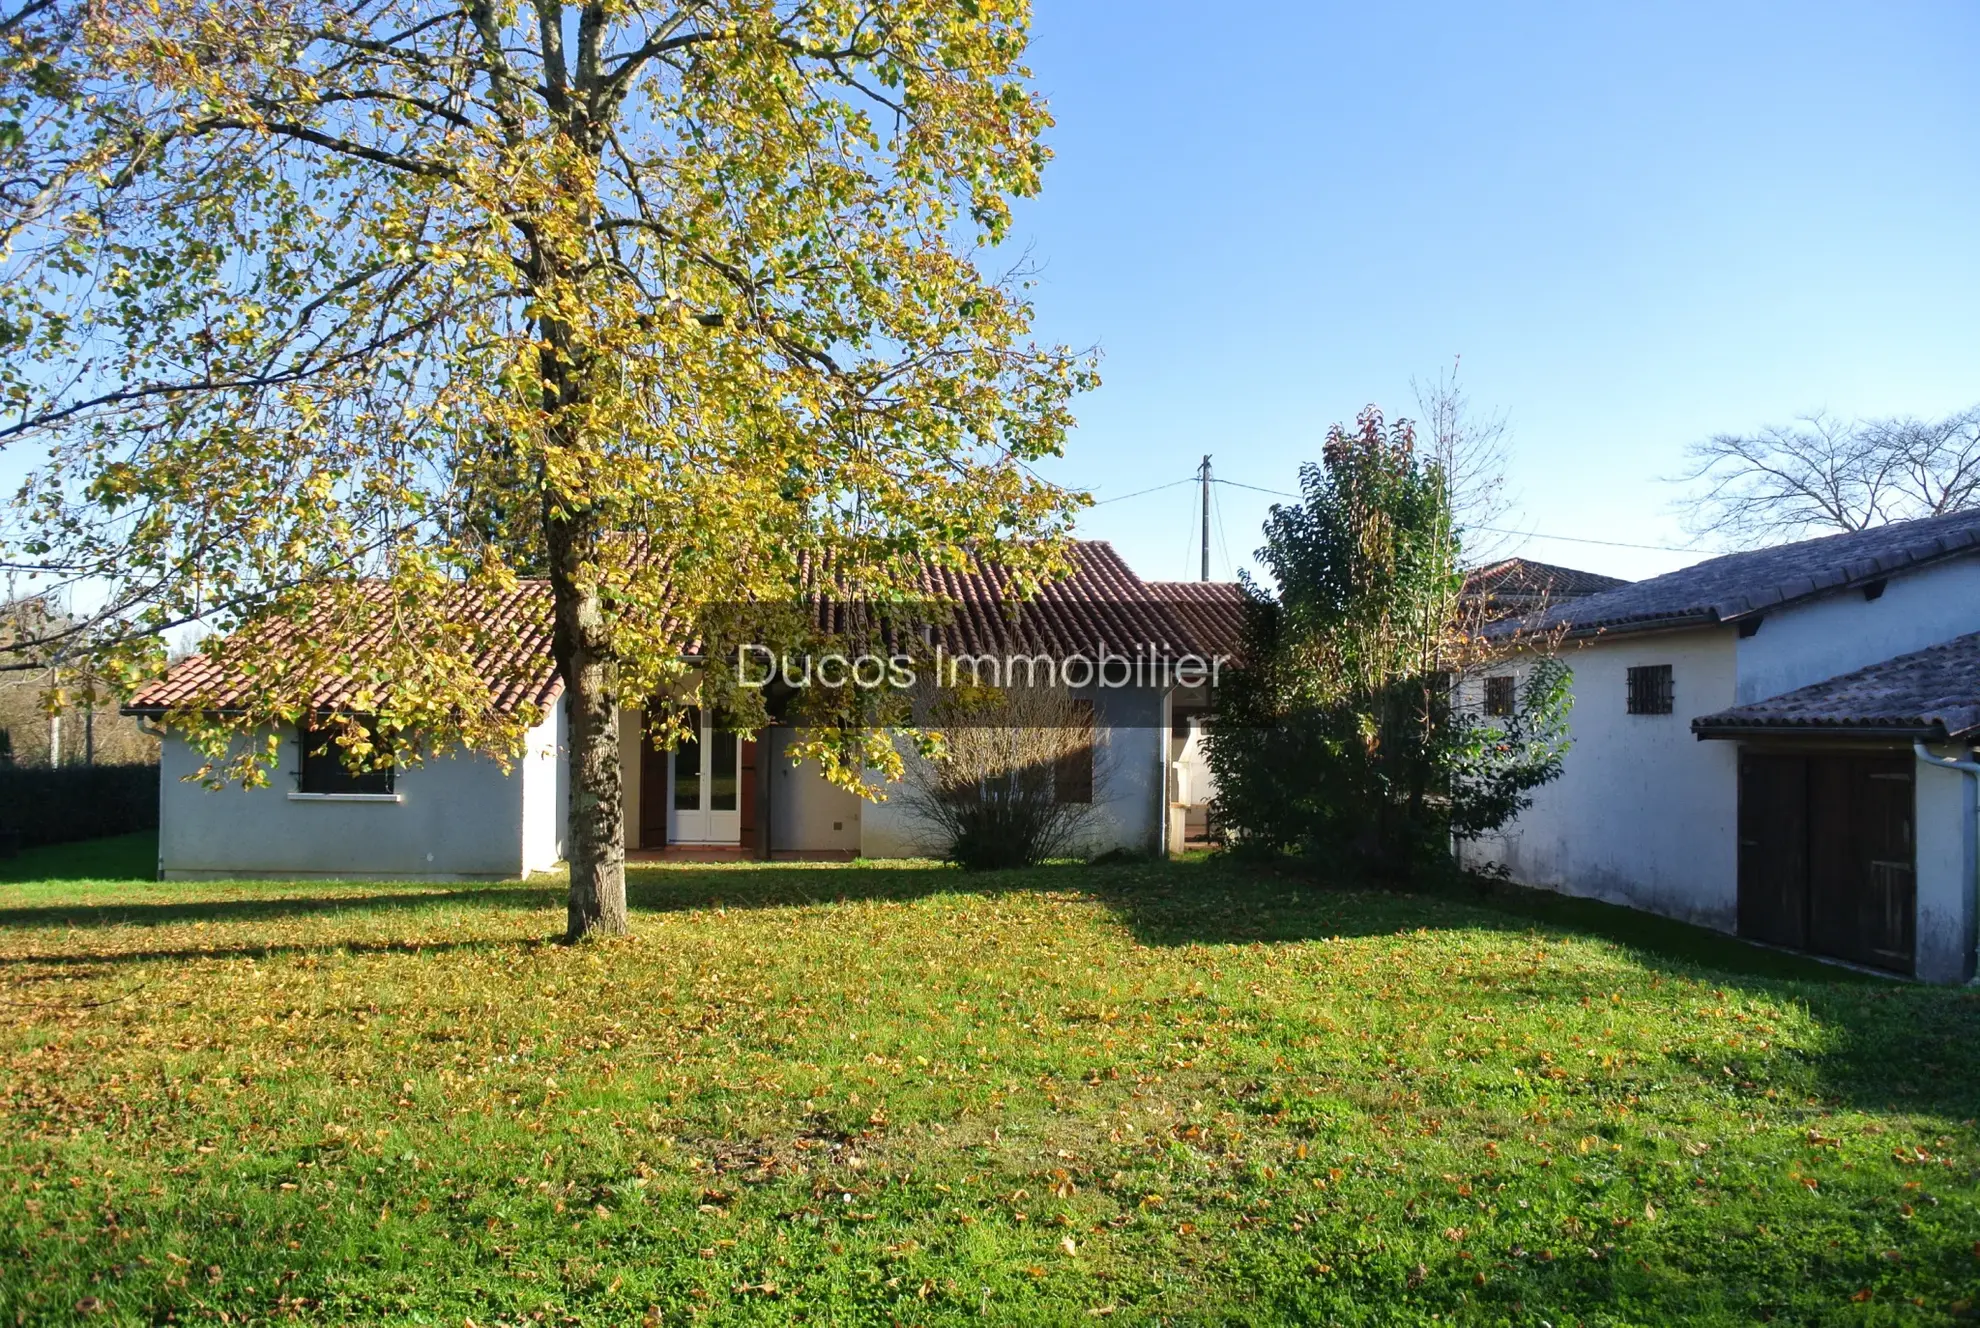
[1342, 736]
[1821, 474]
[662, 301]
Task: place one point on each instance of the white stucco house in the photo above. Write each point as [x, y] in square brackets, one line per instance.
[460, 816]
[1777, 744]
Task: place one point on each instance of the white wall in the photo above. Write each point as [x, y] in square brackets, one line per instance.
[1643, 814]
[806, 813]
[1945, 870]
[1840, 633]
[456, 817]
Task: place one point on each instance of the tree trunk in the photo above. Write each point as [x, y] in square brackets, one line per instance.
[597, 847]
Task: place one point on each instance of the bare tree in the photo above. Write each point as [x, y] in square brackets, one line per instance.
[1473, 449]
[1820, 473]
[1936, 462]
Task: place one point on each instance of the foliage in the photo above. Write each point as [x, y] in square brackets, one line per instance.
[867, 1094]
[404, 300]
[40, 682]
[55, 806]
[1339, 736]
[1820, 474]
[997, 794]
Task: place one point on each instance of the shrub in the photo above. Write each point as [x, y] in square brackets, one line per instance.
[1016, 782]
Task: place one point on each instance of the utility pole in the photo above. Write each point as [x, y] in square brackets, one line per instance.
[1203, 474]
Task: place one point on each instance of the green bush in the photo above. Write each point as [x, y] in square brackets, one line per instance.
[43, 806]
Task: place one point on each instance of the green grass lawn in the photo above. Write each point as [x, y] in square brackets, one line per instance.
[900, 1094]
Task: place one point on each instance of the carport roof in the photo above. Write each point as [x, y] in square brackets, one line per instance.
[1930, 694]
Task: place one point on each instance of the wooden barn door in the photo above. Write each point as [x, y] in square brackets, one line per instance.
[1773, 849]
[1826, 856]
[1862, 897]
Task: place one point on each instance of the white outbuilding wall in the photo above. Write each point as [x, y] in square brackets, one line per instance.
[457, 817]
[1643, 813]
[1946, 866]
[1840, 633]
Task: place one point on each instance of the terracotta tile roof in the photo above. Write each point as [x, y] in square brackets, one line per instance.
[1516, 584]
[1102, 605]
[1213, 611]
[512, 654]
[1932, 693]
[1741, 585]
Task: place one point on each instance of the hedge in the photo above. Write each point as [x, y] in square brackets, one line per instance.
[43, 806]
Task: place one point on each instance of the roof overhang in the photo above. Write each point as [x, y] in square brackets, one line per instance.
[1835, 732]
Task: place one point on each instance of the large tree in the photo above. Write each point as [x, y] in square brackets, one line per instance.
[1821, 473]
[1340, 737]
[318, 310]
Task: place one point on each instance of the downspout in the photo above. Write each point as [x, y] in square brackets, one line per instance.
[1971, 769]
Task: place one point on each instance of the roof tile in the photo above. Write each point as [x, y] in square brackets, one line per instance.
[1729, 587]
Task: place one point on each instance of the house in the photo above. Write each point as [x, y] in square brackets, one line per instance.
[1127, 650]
[1761, 745]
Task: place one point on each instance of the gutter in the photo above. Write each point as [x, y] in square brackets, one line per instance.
[1706, 732]
[1971, 769]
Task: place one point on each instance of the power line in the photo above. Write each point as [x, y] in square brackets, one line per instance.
[1497, 530]
[1494, 530]
[1278, 493]
[1577, 539]
[1121, 498]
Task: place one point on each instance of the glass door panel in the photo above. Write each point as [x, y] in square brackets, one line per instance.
[705, 772]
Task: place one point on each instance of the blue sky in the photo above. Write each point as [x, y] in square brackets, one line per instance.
[1638, 225]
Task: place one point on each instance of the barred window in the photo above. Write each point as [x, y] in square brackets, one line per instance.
[1499, 695]
[1651, 691]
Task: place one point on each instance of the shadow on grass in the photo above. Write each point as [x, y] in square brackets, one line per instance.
[118, 858]
[1891, 1046]
[183, 953]
[1200, 901]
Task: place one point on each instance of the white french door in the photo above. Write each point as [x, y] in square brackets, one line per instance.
[705, 787]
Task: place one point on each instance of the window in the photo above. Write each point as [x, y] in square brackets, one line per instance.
[1499, 695]
[323, 769]
[1650, 689]
[1072, 775]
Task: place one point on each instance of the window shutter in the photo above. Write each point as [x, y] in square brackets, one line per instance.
[1072, 774]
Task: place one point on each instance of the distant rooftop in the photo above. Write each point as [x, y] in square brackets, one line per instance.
[1520, 585]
